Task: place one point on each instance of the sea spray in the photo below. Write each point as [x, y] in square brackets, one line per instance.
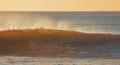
[81, 22]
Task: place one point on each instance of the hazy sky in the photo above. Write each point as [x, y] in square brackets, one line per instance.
[59, 5]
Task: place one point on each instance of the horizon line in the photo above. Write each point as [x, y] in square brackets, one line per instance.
[59, 11]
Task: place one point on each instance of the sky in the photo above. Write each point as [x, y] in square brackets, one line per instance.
[59, 5]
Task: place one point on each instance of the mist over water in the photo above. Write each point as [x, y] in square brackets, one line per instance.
[90, 22]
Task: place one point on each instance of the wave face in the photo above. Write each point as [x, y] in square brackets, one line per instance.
[59, 43]
[91, 22]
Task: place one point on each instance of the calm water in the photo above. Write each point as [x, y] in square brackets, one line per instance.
[91, 22]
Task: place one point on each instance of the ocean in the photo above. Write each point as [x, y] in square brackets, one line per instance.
[56, 47]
